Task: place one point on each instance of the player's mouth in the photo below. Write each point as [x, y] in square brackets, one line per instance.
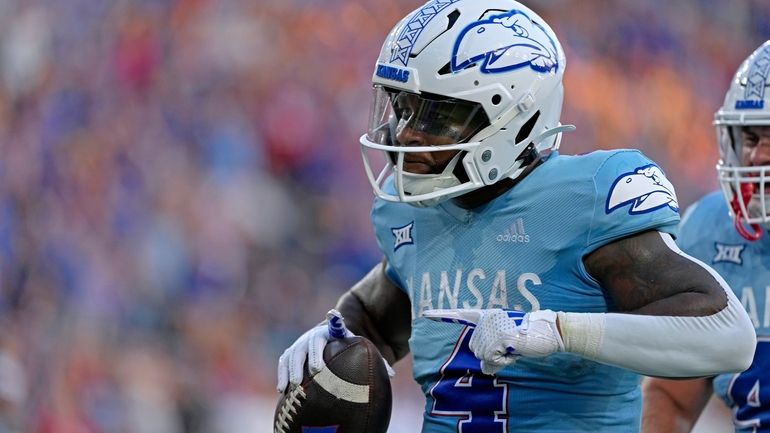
[418, 168]
[757, 187]
[416, 165]
[428, 162]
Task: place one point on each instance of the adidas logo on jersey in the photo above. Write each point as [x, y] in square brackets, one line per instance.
[515, 233]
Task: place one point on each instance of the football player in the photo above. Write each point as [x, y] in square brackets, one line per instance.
[559, 273]
[728, 230]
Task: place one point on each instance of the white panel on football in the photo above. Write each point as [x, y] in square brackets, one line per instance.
[341, 388]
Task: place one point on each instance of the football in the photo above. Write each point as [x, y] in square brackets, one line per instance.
[350, 395]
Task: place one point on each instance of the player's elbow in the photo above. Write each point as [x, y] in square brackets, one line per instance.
[741, 354]
[734, 349]
[745, 361]
[724, 342]
[744, 344]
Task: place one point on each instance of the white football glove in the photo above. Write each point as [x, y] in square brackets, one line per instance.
[502, 336]
[310, 346]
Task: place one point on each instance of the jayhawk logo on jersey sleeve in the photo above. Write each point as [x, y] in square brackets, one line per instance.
[644, 190]
[633, 196]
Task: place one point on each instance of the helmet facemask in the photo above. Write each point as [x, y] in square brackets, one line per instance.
[746, 187]
[745, 114]
[404, 124]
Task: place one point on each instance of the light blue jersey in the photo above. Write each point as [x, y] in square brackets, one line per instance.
[524, 251]
[707, 233]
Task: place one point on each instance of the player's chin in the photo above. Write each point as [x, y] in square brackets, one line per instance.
[757, 206]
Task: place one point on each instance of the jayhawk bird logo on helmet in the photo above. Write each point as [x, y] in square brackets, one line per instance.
[516, 42]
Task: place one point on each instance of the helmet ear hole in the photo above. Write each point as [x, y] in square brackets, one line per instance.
[452, 18]
[446, 69]
[459, 170]
[526, 128]
[496, 99]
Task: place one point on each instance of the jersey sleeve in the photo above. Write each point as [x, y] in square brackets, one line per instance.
[631, 195]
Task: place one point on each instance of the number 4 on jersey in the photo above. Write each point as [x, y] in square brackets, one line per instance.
[750, 390]
[465, 392]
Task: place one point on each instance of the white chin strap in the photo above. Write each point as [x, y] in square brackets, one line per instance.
[419, 184]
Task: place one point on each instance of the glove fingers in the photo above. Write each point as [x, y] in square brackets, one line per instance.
[498, 362]
[309, 347]
[491, 368]
[481, 344]
[296, 362]
[283, 373]
[469, 317]
[315, 360]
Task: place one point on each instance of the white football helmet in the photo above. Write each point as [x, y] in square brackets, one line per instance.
[747, 103]
[486, 75]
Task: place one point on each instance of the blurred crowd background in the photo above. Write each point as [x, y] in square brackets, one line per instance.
[181, 191]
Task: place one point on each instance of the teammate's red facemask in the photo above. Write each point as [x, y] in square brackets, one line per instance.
[746, 190]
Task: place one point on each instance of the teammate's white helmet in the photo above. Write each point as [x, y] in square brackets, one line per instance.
[485, 73]
[747, 103]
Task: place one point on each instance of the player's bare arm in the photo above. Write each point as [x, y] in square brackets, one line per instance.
[378, 310]
[641, 274]
[684, 322]
[673, 405]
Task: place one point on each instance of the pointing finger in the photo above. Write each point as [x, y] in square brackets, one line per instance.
[469, 317]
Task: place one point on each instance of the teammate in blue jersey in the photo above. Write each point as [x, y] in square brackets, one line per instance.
[558, 274]
[728, 231]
